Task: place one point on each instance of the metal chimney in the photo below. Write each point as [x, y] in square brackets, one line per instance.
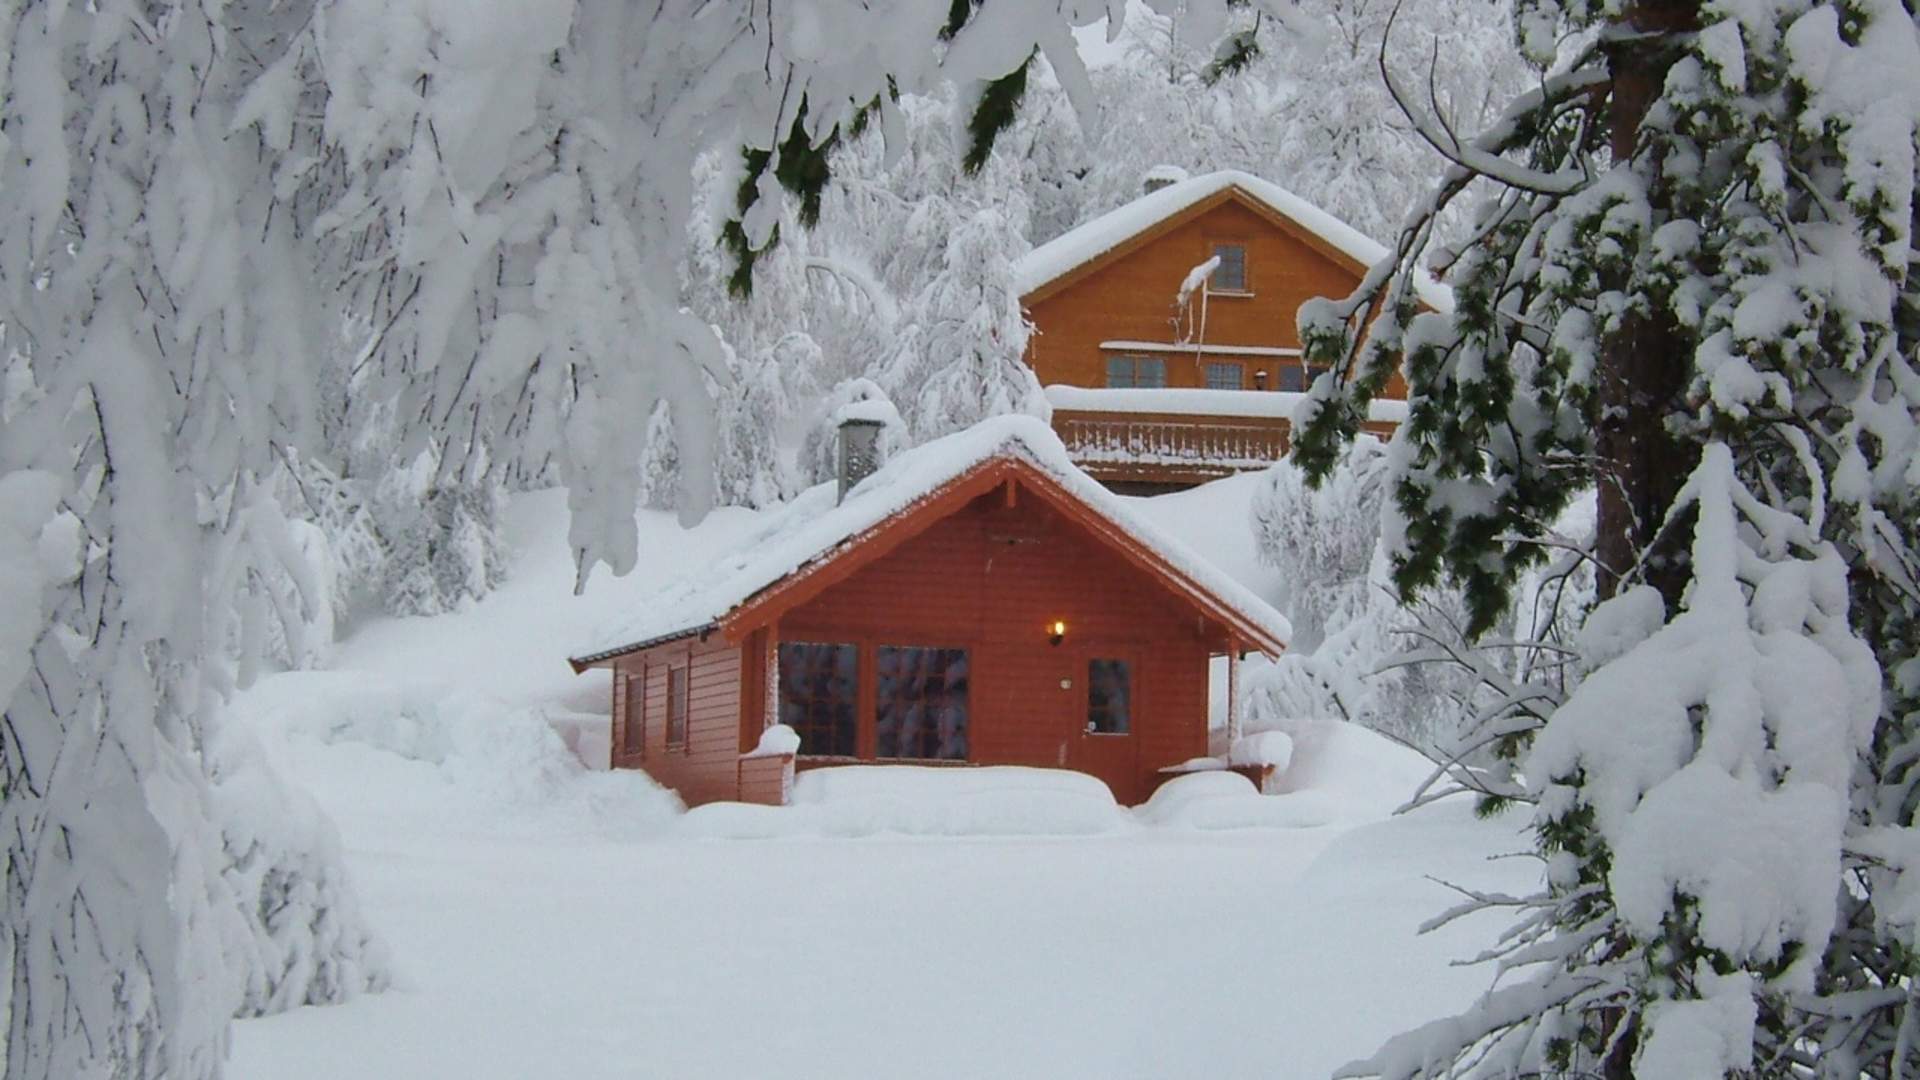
[859, 451]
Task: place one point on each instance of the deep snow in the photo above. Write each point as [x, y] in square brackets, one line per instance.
[550, 920]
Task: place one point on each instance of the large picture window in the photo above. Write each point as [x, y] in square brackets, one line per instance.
[920, 703]
[1109, 697]
[677, 706]
[1129, 372]
[819, 692]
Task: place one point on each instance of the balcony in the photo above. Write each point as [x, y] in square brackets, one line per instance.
[1164, 439]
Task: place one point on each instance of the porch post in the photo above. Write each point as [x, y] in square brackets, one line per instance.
[770, 706]
[1233, 692]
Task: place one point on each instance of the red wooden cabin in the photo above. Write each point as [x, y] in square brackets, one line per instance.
[978, 600]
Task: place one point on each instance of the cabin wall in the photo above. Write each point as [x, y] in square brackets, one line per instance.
[1132, 299]
[990, 579]
[707, 766]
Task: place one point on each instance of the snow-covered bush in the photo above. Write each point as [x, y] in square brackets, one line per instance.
[443, 546]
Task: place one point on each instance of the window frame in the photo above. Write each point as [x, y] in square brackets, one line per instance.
[1210, 366]
[1131, 665]
[872, 718]
[635, 719]
[680, 704]
[860, 666]
[1134, 361]
[1245, 287]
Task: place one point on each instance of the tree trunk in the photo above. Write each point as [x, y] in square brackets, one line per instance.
[1643, 368]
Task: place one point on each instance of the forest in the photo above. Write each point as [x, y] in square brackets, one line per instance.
[308, 304]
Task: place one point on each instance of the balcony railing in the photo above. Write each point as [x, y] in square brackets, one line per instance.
[1169, 448]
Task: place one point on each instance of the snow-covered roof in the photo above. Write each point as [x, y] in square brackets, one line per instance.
[812, 527]
[1198, 401]
[1085, 243]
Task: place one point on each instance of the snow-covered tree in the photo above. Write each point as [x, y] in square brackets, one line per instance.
[1692, 292]
[199, 196]
[960, 356]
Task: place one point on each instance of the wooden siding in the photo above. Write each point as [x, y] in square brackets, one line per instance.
[707, 767]
[1131, 298]
[989, 579]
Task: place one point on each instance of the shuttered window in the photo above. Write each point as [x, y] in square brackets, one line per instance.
[920, 703]
[1129, 372]
[1109, 697]
[819, 688]
[676, 706]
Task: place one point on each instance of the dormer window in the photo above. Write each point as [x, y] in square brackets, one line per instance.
[1231, 274]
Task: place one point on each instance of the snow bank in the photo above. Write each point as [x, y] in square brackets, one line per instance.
[375, 751]
[1263, 748]
[918, 800]
[1227, 800]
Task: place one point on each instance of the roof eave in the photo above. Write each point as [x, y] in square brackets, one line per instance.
[596, 659]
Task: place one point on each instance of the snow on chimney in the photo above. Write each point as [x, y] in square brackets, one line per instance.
[859, 444]
[1161, 176]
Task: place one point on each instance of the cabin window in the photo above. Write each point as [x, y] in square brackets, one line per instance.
[1231, 274]
[819, 691]
[676, 706]
[1128, 372]
[1109, 697]
[920, 703]
[635, 736]
[1298, 376]
[1224, 376]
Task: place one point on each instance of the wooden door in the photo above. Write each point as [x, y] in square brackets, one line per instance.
[1106, 742]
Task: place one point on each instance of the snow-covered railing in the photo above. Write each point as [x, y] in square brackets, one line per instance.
[1181, 447]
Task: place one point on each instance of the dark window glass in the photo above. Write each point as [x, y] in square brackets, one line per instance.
[677, 705]
[1129, 372]
[920, 703]
[819, 690]
[1231, 274]
[1109, 697]
[1223, 376]
[1298, 377]
[635, 738]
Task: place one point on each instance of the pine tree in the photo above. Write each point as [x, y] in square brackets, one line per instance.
[1692, 292]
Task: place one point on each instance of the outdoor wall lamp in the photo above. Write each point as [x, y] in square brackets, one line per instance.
[1056, 632]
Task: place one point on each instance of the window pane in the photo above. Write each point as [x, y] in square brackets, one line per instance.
[1231, 275]
[1223, 376]
[1150, 371]
[920, 703]
[635, 739]
[677, 706]
[1293, 377]
[1120, 371]
[1109, 697]
[818, 693]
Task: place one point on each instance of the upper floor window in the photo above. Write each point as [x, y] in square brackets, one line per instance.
[819, 691]
[1298, 376]
[1136, 371]
[1231, 274]
[1225, 376]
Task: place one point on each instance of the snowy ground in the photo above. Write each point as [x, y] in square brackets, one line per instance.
[546, 920]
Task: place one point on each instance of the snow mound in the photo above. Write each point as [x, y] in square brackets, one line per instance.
[1359, 774]
[919, 800]
[1227, 800]
[376, 751]
[1267, 748]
